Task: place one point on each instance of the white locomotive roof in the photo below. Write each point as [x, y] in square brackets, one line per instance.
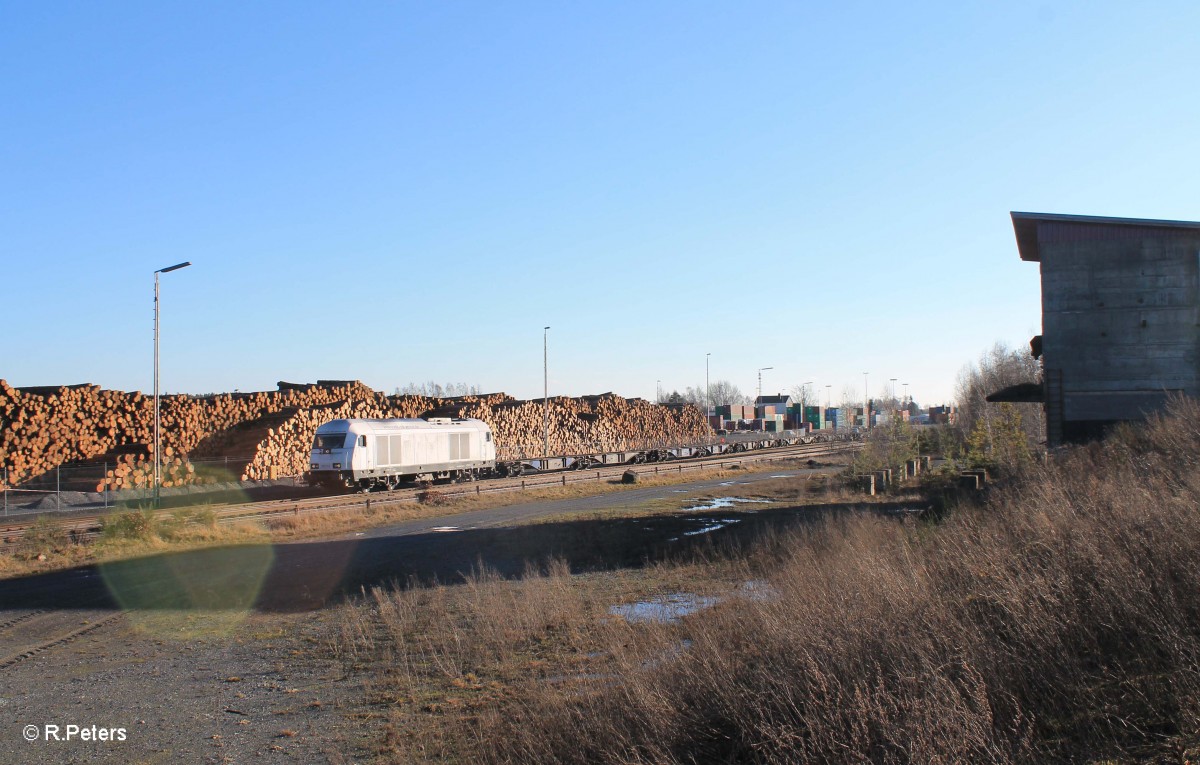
[399, 424]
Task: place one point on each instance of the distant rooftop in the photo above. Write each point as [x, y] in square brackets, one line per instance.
[778, 399]
[1025, 224]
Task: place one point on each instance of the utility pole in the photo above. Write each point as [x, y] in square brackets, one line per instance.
[707, 388]
[804, 404]
[866, 404]
[546, 391]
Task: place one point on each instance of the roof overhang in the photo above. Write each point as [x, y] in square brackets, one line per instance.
[1021, 393]
[1025, 224]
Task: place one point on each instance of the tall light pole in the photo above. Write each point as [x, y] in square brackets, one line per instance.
[804, 404]
[707, 388]
[828, 395]
[658, 391]
[905, 393]
[546, 390]
[894, 390]
[157, 442]
[760, 371]
[866, 405]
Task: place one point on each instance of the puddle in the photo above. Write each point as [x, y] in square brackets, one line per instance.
[444, 528]
[712, 527]
[720, 502]
[779, 476]
[665, 610]
[729, 483]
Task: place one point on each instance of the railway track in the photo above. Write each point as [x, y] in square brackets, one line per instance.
[89, 527]
[35, 632]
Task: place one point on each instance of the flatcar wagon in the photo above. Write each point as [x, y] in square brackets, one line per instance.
[381, 454]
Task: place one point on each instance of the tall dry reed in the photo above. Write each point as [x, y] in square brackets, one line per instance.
[1058, 620]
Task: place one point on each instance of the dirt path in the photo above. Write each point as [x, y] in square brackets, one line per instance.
[216, 655]
[178, 688]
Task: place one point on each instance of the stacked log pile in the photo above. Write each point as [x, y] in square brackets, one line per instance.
[44, 428]
[585, 425]
[136, 471]
[285, 450]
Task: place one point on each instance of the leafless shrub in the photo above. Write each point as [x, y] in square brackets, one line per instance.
[432, 497]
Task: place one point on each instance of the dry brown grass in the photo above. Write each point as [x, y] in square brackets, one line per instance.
[186, 529]
[1059, 621]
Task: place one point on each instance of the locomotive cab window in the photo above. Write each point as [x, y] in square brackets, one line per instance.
[362, 440]
[489, 436]
[324, 442]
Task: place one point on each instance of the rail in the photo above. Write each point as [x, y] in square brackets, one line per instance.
[89, 527]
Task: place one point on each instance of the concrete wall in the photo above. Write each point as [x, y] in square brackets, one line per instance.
[1120, 322]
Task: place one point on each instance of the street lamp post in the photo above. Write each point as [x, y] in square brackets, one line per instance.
[658, 391]
[894, 390]
[546, 391]
[804, 403]
[905, 393]
[707, 388]
[157, 441]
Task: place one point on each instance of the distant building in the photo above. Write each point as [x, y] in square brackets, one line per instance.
[1120, 318]
[942, 415]
[771, 405]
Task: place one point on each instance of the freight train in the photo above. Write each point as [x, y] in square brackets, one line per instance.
[372, 455]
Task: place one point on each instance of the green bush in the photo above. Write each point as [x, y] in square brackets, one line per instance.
[139, 525]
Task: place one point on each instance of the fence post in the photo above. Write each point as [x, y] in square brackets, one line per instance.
[58, 487]
[6, 489]
[105, 479]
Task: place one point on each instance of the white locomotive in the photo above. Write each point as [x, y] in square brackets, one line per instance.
[381, 454]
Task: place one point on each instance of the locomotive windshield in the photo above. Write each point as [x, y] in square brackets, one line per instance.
[326, 441]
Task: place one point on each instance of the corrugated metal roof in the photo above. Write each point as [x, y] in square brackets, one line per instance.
[1027, 226]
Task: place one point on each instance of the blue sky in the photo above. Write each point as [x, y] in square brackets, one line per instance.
[401, 191]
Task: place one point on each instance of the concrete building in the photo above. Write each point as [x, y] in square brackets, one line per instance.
[1120, 318]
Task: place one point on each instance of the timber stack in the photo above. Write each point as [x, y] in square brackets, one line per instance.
[268, 434]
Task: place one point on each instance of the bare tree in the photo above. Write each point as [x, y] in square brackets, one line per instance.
[719, 393]
[435, 390]
[997, 368]
[803, 394]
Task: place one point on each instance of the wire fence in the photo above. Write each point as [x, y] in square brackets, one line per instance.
[85, 485]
